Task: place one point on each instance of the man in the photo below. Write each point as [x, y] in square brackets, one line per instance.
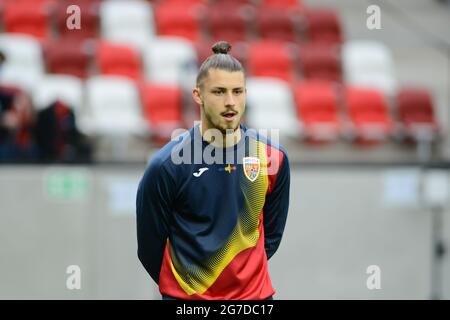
[208, 221]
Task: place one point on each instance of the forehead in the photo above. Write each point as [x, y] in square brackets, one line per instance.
[224, 79]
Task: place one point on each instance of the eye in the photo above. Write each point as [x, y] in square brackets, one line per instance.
[217, 92]
[238, 92]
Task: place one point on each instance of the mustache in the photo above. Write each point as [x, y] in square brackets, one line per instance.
[234, 112]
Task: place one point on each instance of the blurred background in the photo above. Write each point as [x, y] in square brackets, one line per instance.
[360, 91]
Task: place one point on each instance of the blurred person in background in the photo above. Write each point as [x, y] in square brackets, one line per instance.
[49, 135]
[206, 230]
[16, 124]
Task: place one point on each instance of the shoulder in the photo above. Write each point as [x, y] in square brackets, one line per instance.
[269, 138]
[161, 162]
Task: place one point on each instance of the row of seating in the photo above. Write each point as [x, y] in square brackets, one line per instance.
[317, 111]
[321, 111]
[136, 22]
[166, 60]
[175, 60]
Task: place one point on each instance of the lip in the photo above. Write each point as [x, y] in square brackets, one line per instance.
[231, 116]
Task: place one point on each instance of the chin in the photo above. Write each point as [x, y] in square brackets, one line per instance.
[231, 126]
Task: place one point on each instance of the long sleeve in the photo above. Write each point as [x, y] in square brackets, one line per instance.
[154, 204]
[276, 209]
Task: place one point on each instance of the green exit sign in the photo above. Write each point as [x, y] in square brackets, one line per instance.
[66, 184]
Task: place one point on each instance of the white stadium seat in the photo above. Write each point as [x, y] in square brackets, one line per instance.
[369, 64]
[113, 107]
[171, 60]
[270, 105]
[68, 89]
[130, 22]
[24, 66]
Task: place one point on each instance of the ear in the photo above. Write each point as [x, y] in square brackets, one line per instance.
[196, 96]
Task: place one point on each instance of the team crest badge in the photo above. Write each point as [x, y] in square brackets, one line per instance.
[251, 168]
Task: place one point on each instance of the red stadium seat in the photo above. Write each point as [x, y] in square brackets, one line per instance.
[277, 24]
[416, 113]
[270, 59]
[228, 22]
[323, 25]
[67, 57]
[89, 27]
[368, 113]
[318, 110]
[287, 4]
[162, 109]
[234, 2]
[118, 59]
[178, 19]
[32, 18]
[320, 61]
[188, 2]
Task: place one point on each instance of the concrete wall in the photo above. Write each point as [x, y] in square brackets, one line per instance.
[341, 220]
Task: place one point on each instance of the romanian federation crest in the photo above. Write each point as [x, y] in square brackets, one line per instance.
[251, 168]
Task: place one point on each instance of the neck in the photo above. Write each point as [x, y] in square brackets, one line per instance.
[225, 140]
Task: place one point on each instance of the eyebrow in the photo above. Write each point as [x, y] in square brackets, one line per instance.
[223, 88]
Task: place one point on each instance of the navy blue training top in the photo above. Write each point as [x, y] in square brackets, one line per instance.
[209, 218]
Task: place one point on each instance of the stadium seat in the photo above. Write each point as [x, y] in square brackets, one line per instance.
[178, 19]
[228, 22]
[416, 114]
[320, 61]
[171, 60]
[270, 105]
[51, 88]
[162, 106]
[130, 22]
[323, 24]
[188, 2]
[369, 115]
[277, 24]
[68, 57]
[317, 109]
[113, 107]
[118, 59]
[270, 59]
[89, 19]
[369, 64]
[24, 64]
[234, 2]
[286, 4]
[30, 17]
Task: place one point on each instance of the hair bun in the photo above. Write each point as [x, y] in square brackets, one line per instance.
[221, 47]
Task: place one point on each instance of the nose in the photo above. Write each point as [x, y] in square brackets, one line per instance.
[229, 100]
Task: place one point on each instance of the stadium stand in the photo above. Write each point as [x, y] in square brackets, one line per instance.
[271, 59]
[24, 64]
[68, 56]
[178, 19]
[89, 23]
[130, 22]
[64, 88]
[170, 60]
[317, 110]
[228, 21]
[160, 44]
[416, 113]
[369, 63]
[163, 110]
[320, 61]
[118, 59]
[368, 114]
[113, 107]
[271, 106]
[278, 24]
